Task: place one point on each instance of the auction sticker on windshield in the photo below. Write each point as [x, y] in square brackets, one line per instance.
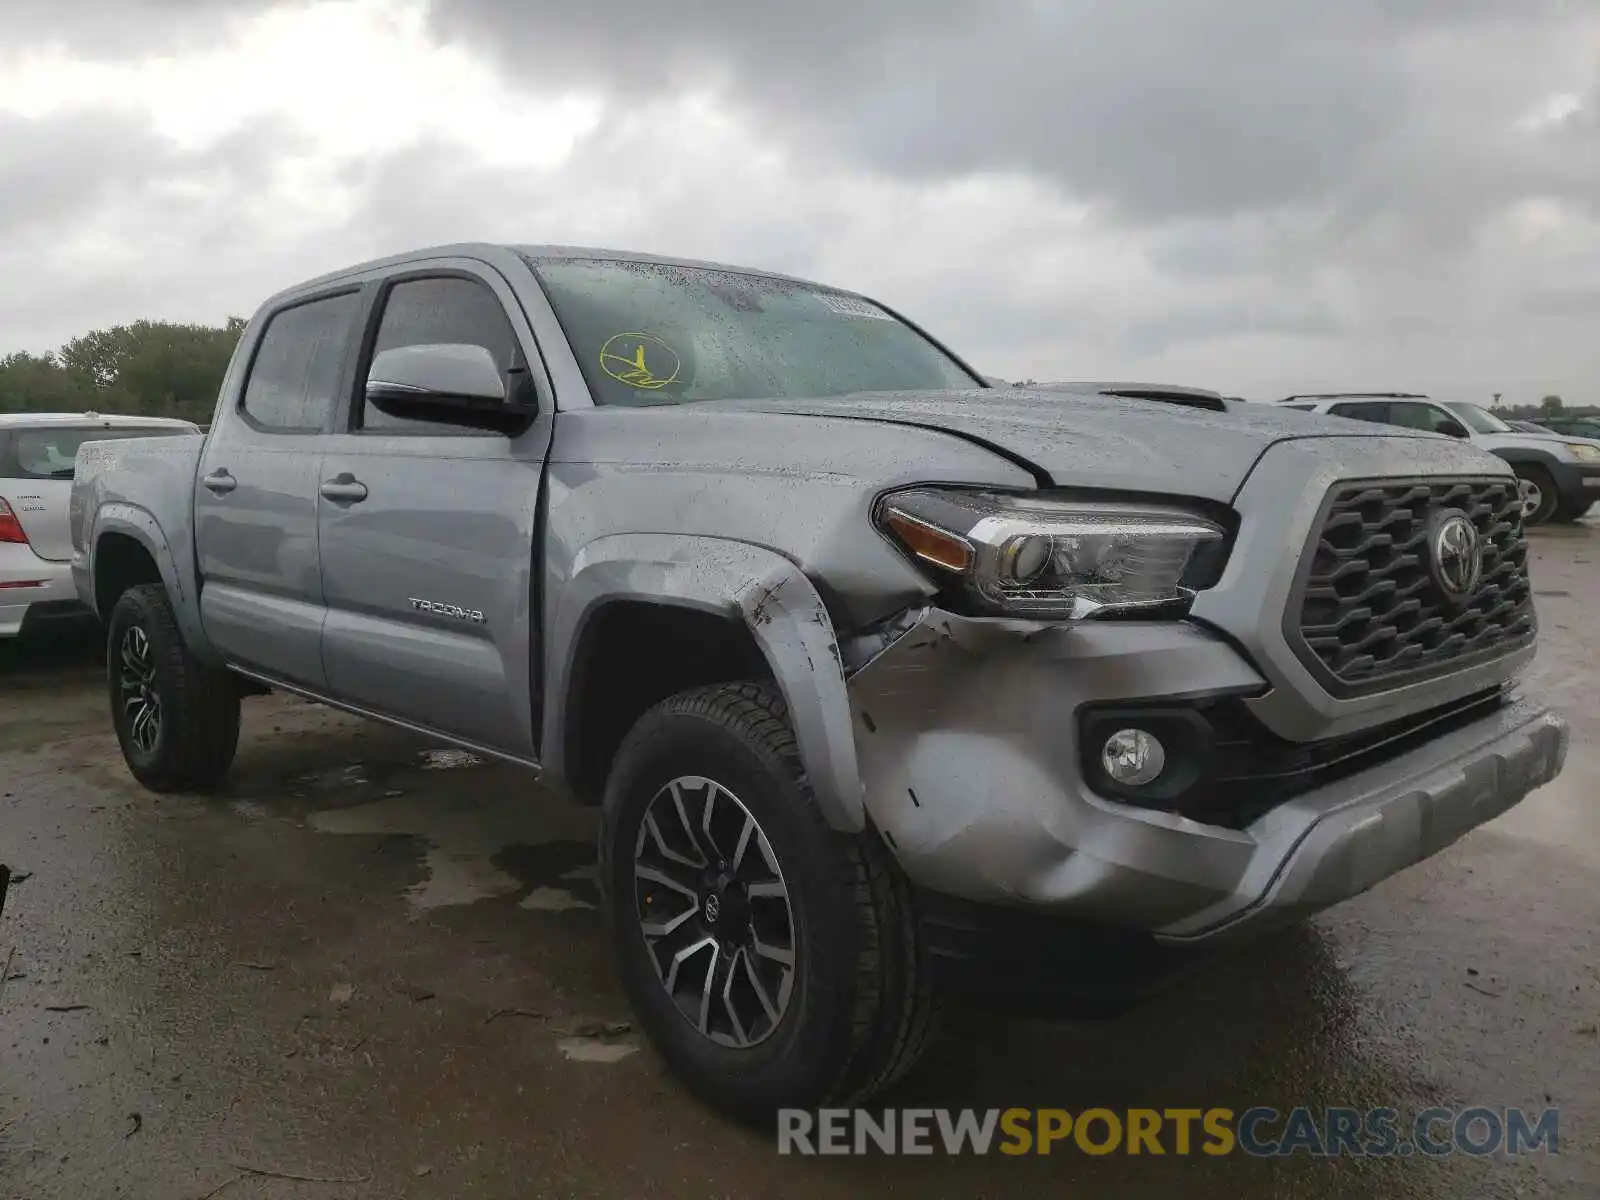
[640, 360]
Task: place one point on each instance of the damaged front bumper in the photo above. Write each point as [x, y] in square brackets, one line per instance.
[966, 731]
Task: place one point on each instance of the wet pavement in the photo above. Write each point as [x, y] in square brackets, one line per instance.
[378, 966]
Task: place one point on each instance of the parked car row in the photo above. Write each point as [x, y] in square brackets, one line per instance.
[1586, 427]
[1560, 473]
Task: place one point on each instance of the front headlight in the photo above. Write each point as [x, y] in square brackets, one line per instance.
[1028, 555]
[1584, 452]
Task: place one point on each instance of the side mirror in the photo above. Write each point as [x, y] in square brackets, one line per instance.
[449, 383]
[1453, 429]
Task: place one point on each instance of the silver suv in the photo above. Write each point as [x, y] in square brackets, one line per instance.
[886, 681]
[1560, 474]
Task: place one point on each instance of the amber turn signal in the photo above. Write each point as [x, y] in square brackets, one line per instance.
[928, 542]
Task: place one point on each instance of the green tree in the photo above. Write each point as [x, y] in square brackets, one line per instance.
[154, 368]
[1550, 405]
[39, 383]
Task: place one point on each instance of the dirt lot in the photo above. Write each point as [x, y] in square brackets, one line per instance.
[372, 962]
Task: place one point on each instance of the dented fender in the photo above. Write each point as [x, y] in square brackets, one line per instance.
[752, 584]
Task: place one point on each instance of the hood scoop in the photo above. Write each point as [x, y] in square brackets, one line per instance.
[1189, 397]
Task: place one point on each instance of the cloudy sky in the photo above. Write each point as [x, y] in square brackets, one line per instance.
[1261, 196]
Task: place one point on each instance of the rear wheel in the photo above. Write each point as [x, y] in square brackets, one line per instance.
[771, 960]
[177, 719]
[1538, 493]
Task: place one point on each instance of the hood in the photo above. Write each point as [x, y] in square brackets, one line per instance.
[1088, 441]
[1518, 440]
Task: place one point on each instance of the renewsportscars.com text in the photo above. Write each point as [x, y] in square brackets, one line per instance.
[1258, 1132]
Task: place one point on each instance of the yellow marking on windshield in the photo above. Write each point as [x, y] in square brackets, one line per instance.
[640, 360]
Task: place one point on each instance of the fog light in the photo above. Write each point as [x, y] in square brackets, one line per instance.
[1133, 757]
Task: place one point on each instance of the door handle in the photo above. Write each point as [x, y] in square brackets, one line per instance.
[345, 488]
[220, 482]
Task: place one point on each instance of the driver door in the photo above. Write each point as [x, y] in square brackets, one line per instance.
[428, 531]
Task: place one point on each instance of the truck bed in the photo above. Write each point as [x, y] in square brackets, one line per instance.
[142, 487]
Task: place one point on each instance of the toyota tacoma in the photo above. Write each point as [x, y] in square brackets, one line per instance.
[879, 675]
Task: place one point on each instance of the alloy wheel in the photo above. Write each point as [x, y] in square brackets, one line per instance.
[714, 911]
[141, 706]
[1532, 498]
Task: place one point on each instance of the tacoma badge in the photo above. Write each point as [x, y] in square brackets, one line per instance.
[439, 609]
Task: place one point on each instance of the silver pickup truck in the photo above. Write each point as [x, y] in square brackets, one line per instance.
[882, 677]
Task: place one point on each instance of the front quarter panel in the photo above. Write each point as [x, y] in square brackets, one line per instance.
[773, 599]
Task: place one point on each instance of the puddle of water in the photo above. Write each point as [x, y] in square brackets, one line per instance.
[484, 843]
[560, 875]
[354, 775]
[547, 899]
[594, 1050]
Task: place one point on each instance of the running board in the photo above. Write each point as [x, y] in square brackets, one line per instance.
[409, 726]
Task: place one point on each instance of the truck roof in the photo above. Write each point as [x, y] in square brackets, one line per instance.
[104, 420]
[526, 250]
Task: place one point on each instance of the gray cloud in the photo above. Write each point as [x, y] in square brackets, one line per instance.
[51, 169]
[1257, 195]
[1157, 108]
[102, 220]
[120, 29]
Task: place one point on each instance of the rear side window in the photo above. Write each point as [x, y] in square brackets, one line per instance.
[1421, 416]
[1378, 413]
[294, 377]
[50, 453]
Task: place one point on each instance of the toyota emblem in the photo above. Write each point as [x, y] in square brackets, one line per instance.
[1456, 557]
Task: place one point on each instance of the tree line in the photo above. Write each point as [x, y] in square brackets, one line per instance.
[148, 368]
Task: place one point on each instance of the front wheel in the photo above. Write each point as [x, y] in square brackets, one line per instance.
[176, 718]
[772, 960]
[1539, 496]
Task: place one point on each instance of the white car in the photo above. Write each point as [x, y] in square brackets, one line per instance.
[37, 453]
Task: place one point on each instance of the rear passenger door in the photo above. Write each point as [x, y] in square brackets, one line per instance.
[256, 497]
[429, 534]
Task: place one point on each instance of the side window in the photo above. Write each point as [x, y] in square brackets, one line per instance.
[1422, 416]
[294, 376]
[443, 311]
[1378, 413]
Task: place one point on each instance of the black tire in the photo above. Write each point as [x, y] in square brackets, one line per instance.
[196, 726]
[1541, 478]
[1576, 511]
[861, 1005]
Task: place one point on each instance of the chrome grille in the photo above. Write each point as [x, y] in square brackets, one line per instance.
[1368, 613]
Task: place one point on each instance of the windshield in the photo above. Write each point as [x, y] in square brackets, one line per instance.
[649, 333]
[49, 453]
[1479, 420]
